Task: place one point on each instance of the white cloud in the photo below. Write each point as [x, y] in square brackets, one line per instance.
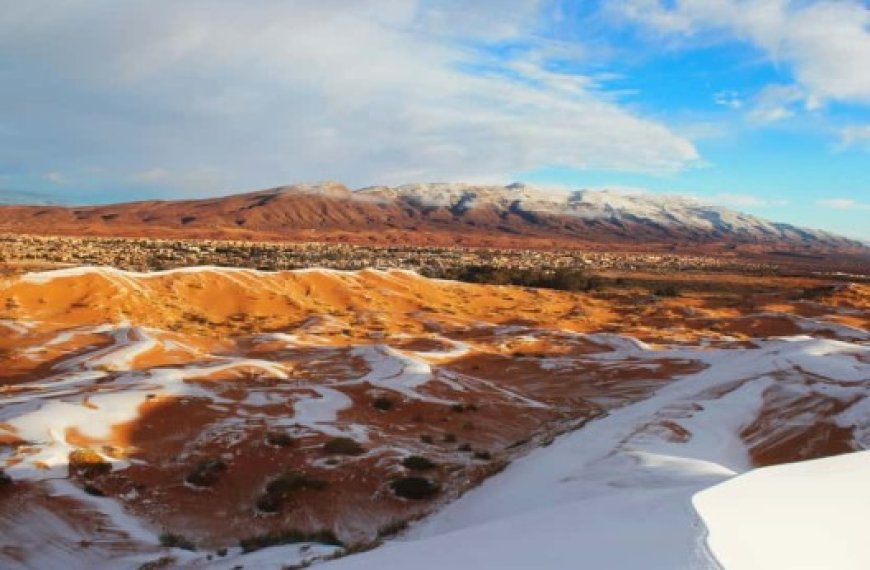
[374, 91]
[54, 177]
[150, 175]
[746, 201]
[855, 135]
[826, 43]
[777, 102]
[843, 204]
[730, 99]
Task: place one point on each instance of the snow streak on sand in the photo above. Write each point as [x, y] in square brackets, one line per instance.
[665, 481]
[619, 493]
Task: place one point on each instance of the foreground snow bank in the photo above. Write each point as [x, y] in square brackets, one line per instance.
[808, 515]
[625, 492]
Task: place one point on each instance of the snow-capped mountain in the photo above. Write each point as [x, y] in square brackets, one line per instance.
[440, 214]
[667, 213]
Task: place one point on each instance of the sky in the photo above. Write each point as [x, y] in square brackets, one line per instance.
[761, 105]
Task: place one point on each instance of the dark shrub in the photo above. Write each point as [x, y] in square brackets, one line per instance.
[382, 403]
[5, 480]
[458, 408]
[207, 472]
[292, 481]
[279, 488]
[564, 279]
[171, 540]
[427, 439]
[417, 463]
[415, 488]
[342, 446]
[269, 503]
[666, 291]
[87, 463]
[483, 455]
[392, 528]
[93, 490]
[464, 447]
[811, 293]
[279, 439]
[290, 536]
[449, 437]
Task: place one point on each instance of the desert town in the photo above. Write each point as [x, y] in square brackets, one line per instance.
[142, 254]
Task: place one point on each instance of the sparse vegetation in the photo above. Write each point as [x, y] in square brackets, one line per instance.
[418, 463]
[5, 479]
[562, 278]
[668, 290]
[343, 446]
[393, 528]
[415, 488]
[172, 540]
[291, 536]
[207, 472]
[279, 439]
[87, 463]
[282, 486]
[93, 490]
[814, 293]
[382, 403]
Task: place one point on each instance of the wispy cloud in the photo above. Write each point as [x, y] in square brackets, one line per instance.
[826, 44]
[746, 201]
[855, 135]
[777, 102]
[269, 92]
[730, 99]
[54, 177]
[843, 204]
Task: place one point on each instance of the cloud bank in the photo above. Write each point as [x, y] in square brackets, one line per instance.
[216, 95]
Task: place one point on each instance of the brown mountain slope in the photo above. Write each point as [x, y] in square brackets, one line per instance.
[469, 215]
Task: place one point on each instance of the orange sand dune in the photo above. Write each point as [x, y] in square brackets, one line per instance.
[221, 404]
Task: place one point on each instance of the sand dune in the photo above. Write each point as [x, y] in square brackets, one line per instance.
[220, 404]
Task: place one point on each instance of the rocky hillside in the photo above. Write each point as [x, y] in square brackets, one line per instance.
[435, 214]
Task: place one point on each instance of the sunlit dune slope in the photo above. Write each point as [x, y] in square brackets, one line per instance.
[220, 404]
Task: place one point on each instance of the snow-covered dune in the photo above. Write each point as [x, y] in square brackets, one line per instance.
[139, 404]
[625, 492]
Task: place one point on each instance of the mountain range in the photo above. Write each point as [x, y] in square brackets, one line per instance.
[516, 215]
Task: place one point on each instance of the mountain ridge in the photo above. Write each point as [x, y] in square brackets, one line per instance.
[433, 214]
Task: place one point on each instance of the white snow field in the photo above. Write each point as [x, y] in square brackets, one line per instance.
[623, 494]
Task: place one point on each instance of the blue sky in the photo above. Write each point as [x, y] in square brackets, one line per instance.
[763, 106]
